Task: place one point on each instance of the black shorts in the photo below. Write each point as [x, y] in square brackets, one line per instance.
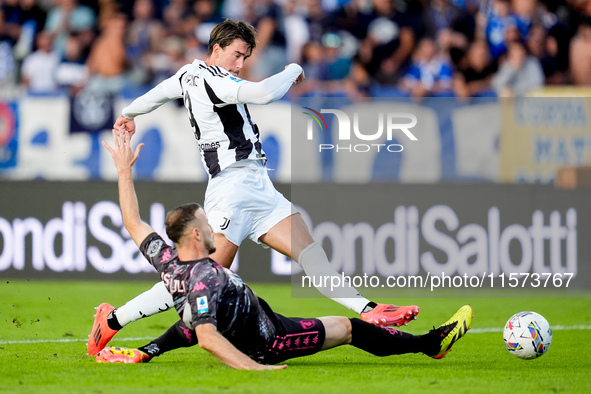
[295, 337]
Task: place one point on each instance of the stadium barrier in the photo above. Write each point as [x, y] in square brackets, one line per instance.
[74, 230]
[517, 141]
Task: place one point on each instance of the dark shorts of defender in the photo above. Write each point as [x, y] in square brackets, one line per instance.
[297, 338]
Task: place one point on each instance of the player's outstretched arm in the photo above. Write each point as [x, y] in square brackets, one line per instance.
[162, 93]
[272, 88]
[211, 340]
[124, 159]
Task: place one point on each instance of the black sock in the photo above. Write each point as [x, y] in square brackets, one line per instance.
[381, 341]
[112, 321]
[175, 337]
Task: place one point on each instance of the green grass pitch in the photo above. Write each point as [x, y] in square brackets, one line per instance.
[44, 325]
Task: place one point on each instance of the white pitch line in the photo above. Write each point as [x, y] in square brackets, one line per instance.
[64, 340]
[475, 330]
[554, 328]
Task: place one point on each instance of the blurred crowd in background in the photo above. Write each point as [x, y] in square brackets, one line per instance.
[353, 48]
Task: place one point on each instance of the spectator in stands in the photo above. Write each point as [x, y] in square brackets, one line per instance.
[558, 34]
[386, 49]
[174, 15]
[471, 6]
[485, 9]
[324, 66]
[7, 64]
[31, 11]
[270, 56]
[382, 33]
[297, 32]
[443, 15]
[72, 72]
[429, 74]
[474, 77]
[453, 46]
[26, 18]
[144, 37]
[318, 20]
[66, 17]
[206, 13]
[194, 48]
[107, 9]
[354, 17]
[358, 82]
[233, 9]
[540, 45]
[11, 21]
[168, 60]
[205, 10]
[40, 67]
[524, 12]
[107, 61]
[499, 21]
[519, 73]
[580, 54]
[338, 60]
[315, 69]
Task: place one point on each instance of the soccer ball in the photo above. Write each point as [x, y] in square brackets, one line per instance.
[527, 335]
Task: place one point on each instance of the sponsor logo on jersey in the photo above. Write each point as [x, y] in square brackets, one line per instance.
[154, 247]
[166, 256]
[187, 333]
[202, 305]
[225, 224]
[209, 146]
[199, 286]
[307, 324]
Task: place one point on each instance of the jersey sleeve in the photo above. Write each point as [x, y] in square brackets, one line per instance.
[165, 91]
[221, 86]
[270, 89]
[203, 296]
[157, 251]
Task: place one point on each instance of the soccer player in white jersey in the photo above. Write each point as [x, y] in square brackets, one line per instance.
[240, 200]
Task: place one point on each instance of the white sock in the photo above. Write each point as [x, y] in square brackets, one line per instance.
[150, 302]
[315, 264]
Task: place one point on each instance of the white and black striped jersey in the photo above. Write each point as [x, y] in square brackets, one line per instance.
[223, 128]
[221, 123]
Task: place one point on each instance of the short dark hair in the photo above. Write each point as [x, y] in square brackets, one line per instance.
[224, 34]
[178, 219]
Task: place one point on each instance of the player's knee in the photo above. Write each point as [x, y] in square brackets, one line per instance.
[344, 327]
[338, 331]
[347, 329]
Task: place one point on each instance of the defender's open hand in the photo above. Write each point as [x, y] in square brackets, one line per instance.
[123, 157]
